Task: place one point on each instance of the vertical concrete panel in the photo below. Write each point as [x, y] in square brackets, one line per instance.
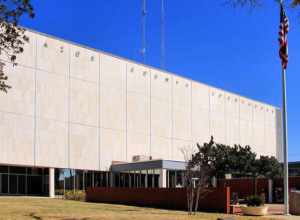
[246, 123]
[200, 113]
[161, 118]
[52, 96]
[52, 55]
[217, 112]
[113, 147]
[200, 129]
[16, 139]
[200, 96]
[112, 108]
[259, 128]
[232, 119]
[51, 143]
[182, 123]
[84, 102]
[19, 99]
[112, 72]
[137, 144]
[161, 148]
[84, 64]
[138, 107]
[138, 79]
[181, 92]
[270, 131]
[178, 146]
[84, 148]
[161, 86]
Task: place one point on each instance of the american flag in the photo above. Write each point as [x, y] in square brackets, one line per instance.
[283, 42]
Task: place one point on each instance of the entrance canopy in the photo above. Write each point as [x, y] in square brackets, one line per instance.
[149, 165]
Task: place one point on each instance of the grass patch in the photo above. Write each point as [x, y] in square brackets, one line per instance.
[19, 208]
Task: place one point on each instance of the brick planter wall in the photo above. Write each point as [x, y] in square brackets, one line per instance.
[295, 202]
[216, 200]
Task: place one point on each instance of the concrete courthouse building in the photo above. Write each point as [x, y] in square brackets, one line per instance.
[75, 114]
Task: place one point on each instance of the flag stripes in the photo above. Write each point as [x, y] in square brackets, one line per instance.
[283, 42]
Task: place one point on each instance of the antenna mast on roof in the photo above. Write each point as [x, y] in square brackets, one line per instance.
[162, 35]
[143, 27]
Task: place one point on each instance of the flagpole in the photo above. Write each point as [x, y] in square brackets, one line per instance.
[285, 144]
[285, 141]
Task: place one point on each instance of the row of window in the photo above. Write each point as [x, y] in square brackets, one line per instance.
[24, 181]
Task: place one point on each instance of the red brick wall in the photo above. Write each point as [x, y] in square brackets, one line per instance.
[215, 200]
[294, 182]
[245, 187]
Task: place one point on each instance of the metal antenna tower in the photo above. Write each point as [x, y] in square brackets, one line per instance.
[143, 35]
[162, 35]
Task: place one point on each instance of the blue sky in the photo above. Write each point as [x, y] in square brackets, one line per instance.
[230, 48]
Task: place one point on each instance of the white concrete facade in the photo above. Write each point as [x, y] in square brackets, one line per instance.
[73, 107]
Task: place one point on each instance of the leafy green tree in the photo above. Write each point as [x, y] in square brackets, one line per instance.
[12, 37]
[238, 161]
[269, 167]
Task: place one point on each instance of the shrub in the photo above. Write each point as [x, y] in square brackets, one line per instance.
[77, 195]
[254, 201]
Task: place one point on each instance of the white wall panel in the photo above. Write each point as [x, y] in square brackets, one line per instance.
[200, 96]
[161, 148]
[138, 108]
[52, 96]
[246, 109]
[20, 98]
[258, 113]
[16, 139]
[161, 118]
[246, 133]
[112, 108]
[137, 144]
[84, 147]
[112, 72]
[182, 123]
[181, 92]
[84, 102]
[217, 115]
[200, 125]
[52, 55]
[84, 64]
[258, 138]
[138, 79]
[112, 147]
[178, 146]
[161, 85]
[232, 108]
[51, 143]
[232, 114]
[270, 140]
[233, 131]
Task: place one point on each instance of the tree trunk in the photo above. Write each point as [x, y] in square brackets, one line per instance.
[197, 199]
[255, 185]
[191, 201]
